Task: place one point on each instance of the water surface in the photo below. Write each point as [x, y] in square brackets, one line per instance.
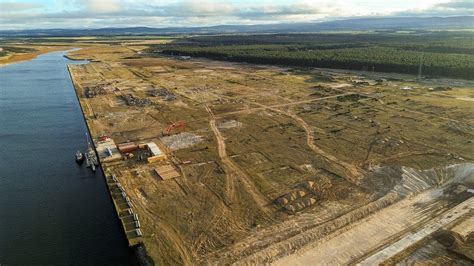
[51, 209]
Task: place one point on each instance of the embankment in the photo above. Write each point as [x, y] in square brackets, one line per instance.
[139, 250]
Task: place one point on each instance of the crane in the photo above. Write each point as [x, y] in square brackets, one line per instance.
[178, 124]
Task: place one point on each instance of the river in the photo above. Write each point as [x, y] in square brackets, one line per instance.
[52, 211]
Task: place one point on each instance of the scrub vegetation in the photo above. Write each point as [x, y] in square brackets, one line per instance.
[11, 49]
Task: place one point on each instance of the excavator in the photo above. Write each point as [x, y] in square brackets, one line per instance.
[178, 124]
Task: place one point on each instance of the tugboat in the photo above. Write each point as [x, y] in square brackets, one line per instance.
[79, 157]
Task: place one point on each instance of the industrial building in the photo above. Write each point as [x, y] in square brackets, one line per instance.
[155, 152]
[127, 147]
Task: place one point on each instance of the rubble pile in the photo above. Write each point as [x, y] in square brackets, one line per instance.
[133, 100]
[181, 141]
[163, 93]
[95, 90]
[298, 199]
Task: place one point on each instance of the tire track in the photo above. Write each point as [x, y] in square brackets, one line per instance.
[233, 171]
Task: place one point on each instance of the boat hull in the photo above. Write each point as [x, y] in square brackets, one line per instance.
[80, 157]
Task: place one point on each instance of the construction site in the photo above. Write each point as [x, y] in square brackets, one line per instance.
[213, 162]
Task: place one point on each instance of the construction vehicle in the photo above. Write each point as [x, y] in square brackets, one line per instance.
[178, 124]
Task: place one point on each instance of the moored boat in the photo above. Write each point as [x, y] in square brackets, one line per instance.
[79, 157]
[91, 158]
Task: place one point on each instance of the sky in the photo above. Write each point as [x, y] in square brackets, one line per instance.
[40, 14]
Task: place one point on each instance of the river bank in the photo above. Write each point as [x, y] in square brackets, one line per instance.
[23, 57]
[138, 248]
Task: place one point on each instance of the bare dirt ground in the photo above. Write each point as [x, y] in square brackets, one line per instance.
[368, 234]
[280, 165]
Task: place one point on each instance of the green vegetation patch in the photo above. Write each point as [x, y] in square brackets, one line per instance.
[6, 50]
[13, 49]
[448, 54]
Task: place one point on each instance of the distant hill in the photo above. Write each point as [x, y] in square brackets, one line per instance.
[400, 23]
[359, 24]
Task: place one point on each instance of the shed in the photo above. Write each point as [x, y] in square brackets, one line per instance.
[155, 153]
[127, 147]
[153, 149]
[107, 150]
[138, 232]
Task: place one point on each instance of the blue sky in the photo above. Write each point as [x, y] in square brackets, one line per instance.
[27, 14]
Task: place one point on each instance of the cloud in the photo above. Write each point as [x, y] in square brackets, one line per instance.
[458, 4]
[202, 9]
[211, 8]
[275, 11]
[172, 13]
[451, 8]
[17, 6]
[100, 6]
[197, 9]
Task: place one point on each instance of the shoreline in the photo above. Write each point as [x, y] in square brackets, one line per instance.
[69, 57]
[23, 57]
[138, 250]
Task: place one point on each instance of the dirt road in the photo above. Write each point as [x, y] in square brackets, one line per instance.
[352, 171]
[233, 171]
[264, 107]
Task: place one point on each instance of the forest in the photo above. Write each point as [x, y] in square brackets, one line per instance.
[441, 54]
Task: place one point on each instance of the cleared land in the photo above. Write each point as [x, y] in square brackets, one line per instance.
[275, 161]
